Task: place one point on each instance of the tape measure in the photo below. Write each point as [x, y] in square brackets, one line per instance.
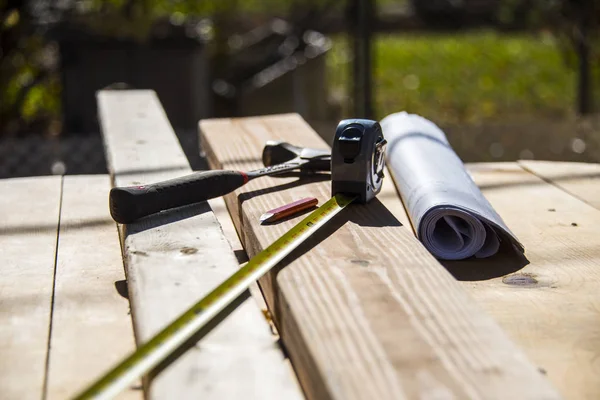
[179, 331]
[357, 172]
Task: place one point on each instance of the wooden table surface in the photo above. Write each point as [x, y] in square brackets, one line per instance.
[65, 315]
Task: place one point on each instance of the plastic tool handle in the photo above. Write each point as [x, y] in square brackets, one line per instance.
[128, 204]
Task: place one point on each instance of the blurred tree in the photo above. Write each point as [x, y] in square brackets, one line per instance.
[576, 25]
[26, 63]
[580, 22]
[29, 82]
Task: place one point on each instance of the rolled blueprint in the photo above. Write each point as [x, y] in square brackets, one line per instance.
[448, 211]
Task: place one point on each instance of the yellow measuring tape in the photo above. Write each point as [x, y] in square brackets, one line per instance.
[151, 353]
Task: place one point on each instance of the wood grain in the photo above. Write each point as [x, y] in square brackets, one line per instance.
[175, 258]
[91, 323]
[581, 180]
[550, 307]
[29, 213]
[365, 312]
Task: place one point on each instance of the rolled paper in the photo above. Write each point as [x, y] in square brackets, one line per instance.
[449, 213]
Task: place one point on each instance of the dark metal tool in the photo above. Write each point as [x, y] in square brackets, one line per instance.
[358, 158]
[128, 204]
[279, 153]
[358, 152]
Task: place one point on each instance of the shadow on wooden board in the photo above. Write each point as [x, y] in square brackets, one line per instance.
[167, 217]
[506, 261]
[302, 180]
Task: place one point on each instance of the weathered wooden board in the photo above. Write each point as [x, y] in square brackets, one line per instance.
[91, 323]
[579, 179]
[366, 311]
[550, 307]
[29, 212]
[175, 258]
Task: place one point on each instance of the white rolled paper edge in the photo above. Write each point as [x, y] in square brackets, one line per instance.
[452, 233]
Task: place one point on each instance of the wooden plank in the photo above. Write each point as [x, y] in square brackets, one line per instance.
[366, 311]
[29, 212]
[550, 307]
[91, 323]
[582, 180]
[175, 258]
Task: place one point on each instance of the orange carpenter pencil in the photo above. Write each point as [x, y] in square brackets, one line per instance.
[289, 209]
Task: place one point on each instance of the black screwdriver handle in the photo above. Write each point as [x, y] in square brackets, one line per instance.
[128, 204]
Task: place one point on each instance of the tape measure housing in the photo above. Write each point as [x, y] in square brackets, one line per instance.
[357, 159]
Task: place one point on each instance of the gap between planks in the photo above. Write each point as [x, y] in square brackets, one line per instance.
[91, 325]
[29, 212]
[220, 209]
[581, 180]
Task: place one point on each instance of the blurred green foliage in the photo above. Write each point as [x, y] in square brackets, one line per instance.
[134, 18]
[476, 76]
[465, 78]
[29, 92]
[30, 86]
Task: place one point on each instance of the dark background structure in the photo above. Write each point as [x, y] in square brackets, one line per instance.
[324, 59]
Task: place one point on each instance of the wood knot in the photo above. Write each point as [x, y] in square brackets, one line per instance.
[523, 280]
[362, 263]
[188, 250]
